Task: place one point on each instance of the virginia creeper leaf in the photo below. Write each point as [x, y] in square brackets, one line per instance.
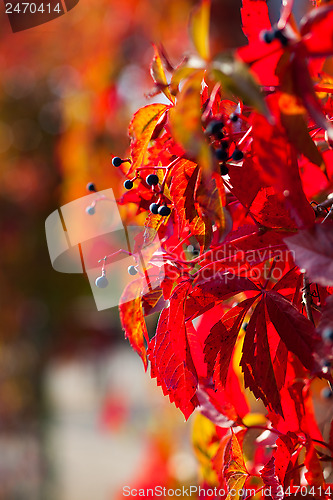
[132, 319]
[271, 480]
[237, 80]
[221, 341]
[170, 355]
[141, 129]
[158, 75]
[296, 331]
[234, 470]
[313, 251]
[314, 474]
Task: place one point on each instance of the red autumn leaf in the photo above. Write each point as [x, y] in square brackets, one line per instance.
[270, 210]
[313, 251]
[211, 288]
[314, 474]
[276, 161]
[296, 331]
[285, 447]
[132, 319]
[170, 355]
[255, 18]
[244, 181]
[221, 341]
[271, 480]
[256, 361]
[317, 31]
[183, 183]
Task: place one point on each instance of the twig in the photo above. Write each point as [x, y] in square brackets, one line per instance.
[307, 298]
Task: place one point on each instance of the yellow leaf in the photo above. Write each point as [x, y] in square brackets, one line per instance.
[199, 28]
[158, 75]
[234, 471]
[206, 444]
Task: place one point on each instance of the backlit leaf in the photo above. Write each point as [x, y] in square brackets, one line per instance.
[234, 470]
[271, 480]
[141, 129]
[237, 80]
[313, 251]
[132, 319]
[158, 75]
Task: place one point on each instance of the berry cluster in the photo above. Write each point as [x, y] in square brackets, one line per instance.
[221, 138]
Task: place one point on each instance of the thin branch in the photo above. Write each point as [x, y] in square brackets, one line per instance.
[307, 298]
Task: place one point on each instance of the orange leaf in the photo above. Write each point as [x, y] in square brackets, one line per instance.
[234, 470]
[141, 129]
[132, 319]
[314, 474]
[158, 75]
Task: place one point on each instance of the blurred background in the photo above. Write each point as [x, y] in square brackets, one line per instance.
[79, 418]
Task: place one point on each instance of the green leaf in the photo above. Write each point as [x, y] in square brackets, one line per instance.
[237, 80]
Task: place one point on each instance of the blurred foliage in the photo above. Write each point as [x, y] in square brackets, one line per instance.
[67, 90]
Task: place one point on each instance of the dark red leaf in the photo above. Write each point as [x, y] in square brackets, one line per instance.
[221, 341]
[271, 480]
[313, 251]
[296, 331]
[256, 362]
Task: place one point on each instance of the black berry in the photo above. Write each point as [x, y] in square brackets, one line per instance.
[116, 161]
[234, 117]
[328, 334]
[214, 128]
[279, 35]
[237, 155]
[326, 393]
[128, 184]
[267, 36]
[224, 169]
[164, 211]
[154, 208]
[152, 180]
[91, 187]
[132, 270]
[221, 154]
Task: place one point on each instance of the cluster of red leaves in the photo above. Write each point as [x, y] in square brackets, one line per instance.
[262, 237]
